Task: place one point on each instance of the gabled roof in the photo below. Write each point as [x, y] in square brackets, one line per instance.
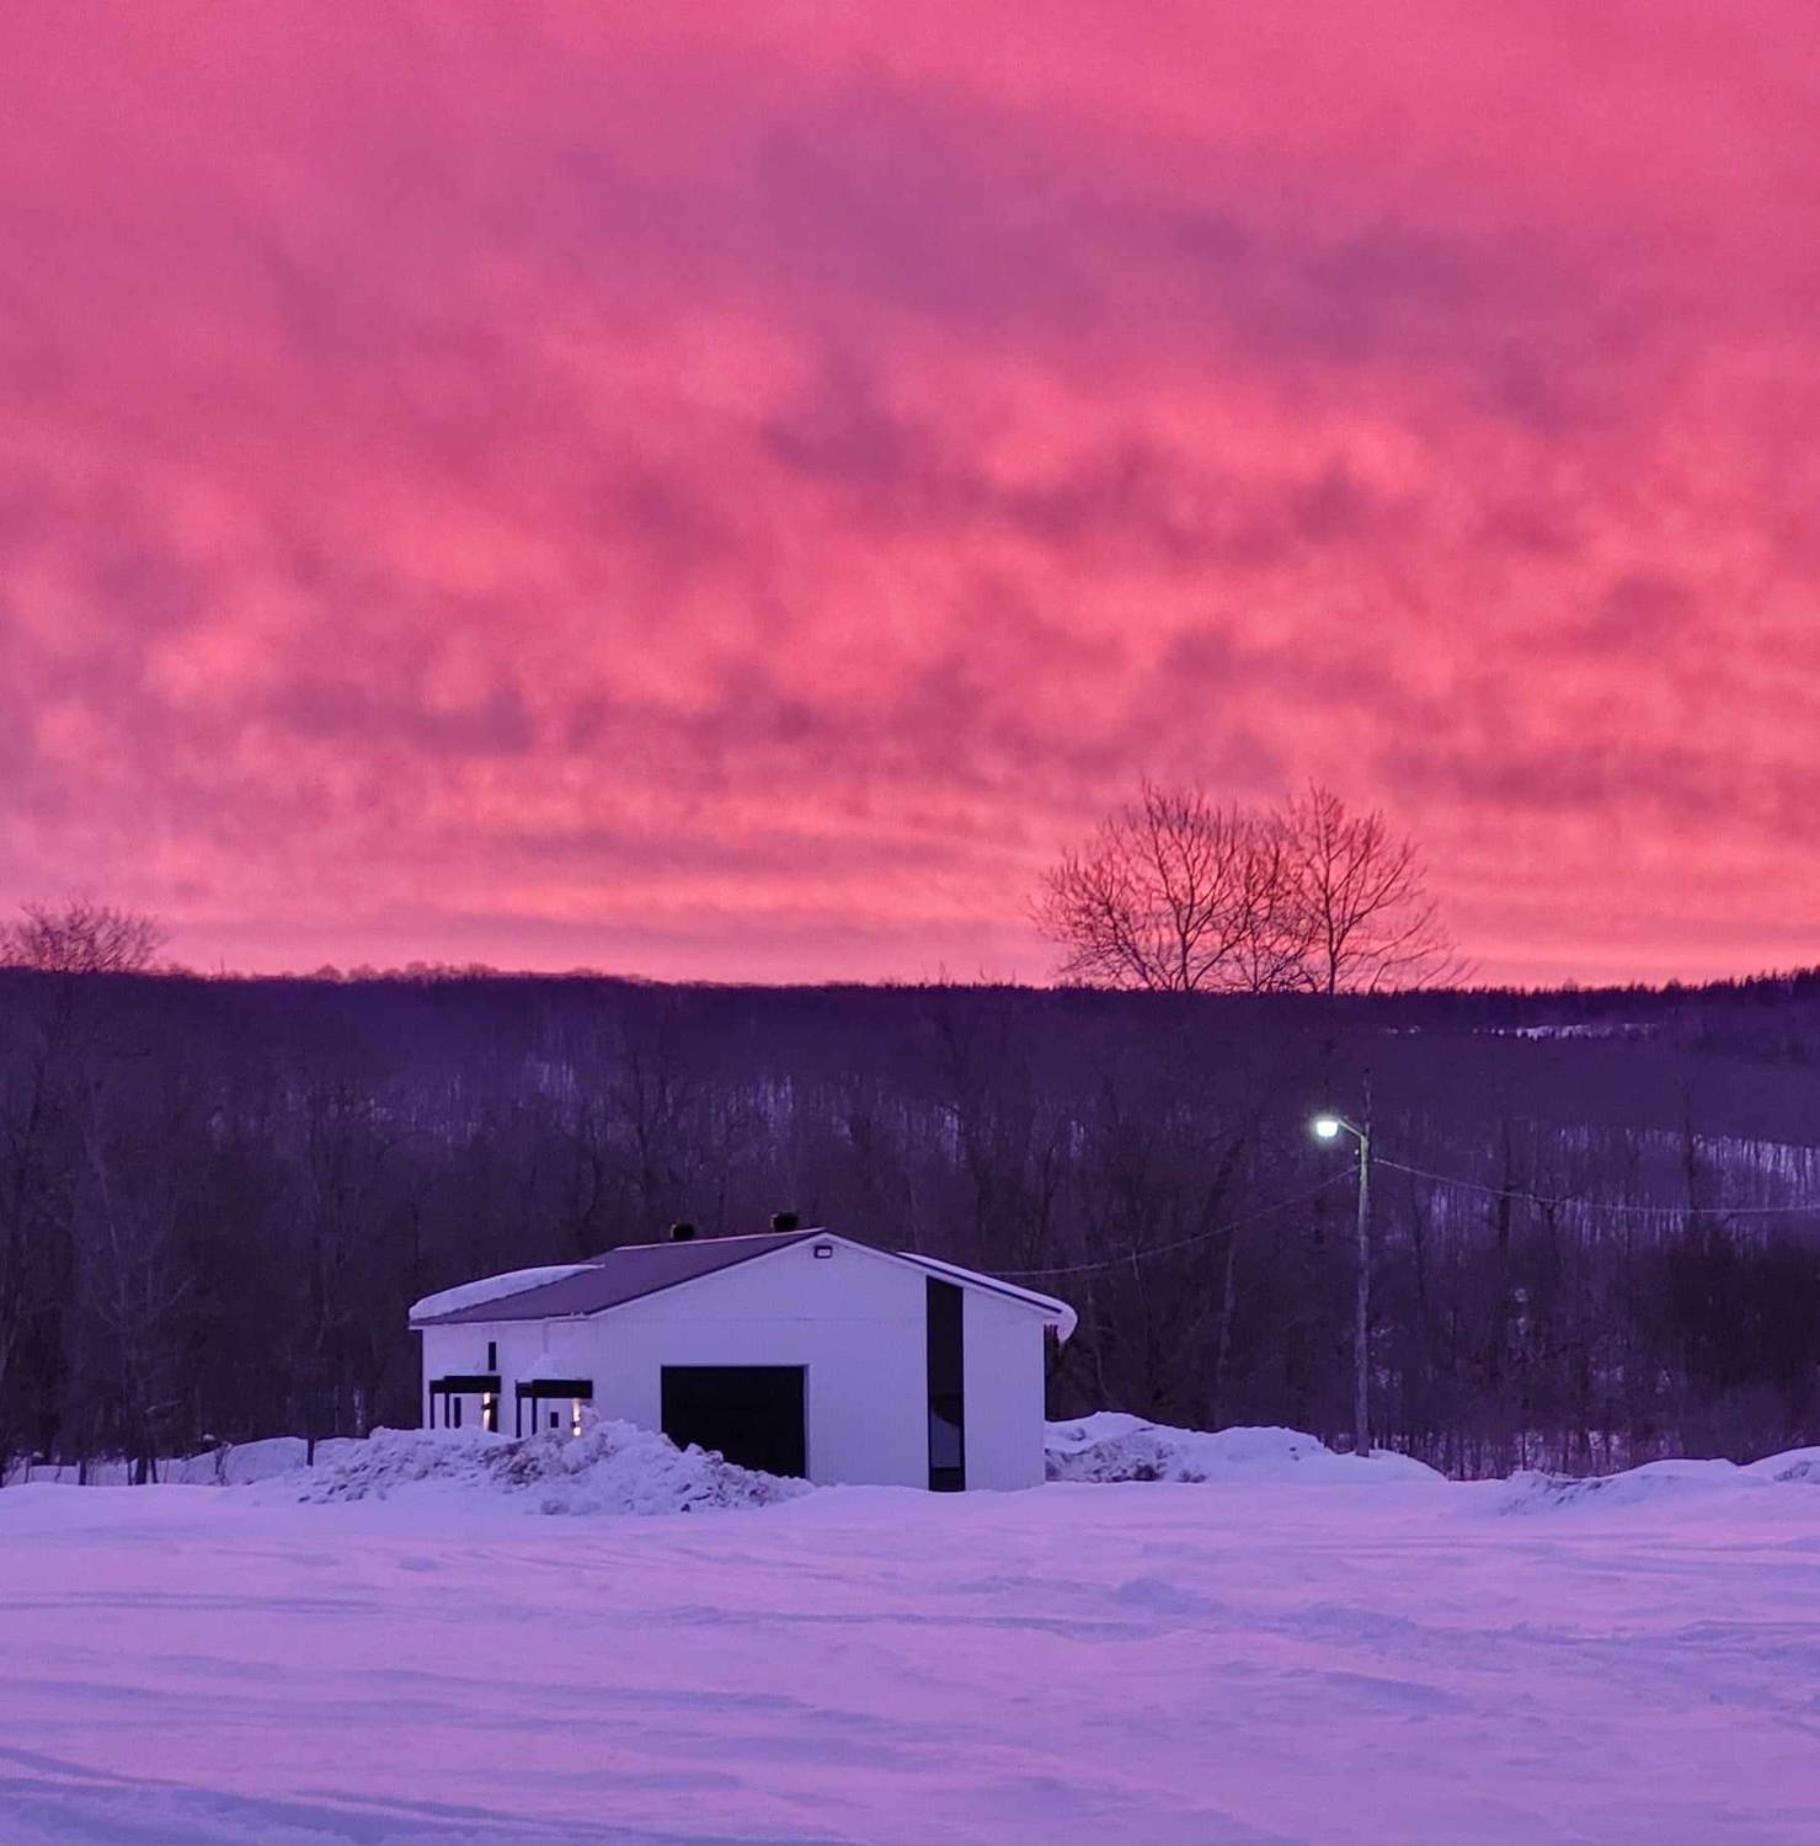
[607, 1281]
[633, 1271]
[447, 1302]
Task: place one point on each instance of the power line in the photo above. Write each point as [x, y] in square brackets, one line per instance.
[1181, 1243]
[1621, 1210]
[1439, 1179]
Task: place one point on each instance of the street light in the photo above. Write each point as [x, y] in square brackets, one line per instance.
[1329, 1128]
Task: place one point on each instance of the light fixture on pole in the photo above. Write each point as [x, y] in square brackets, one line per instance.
[1330, 1128]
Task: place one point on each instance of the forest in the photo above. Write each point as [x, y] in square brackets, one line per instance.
[1593, 1236]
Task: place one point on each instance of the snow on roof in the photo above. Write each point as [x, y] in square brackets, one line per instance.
[491, 1288]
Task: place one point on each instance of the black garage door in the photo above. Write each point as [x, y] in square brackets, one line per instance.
[751, 1414]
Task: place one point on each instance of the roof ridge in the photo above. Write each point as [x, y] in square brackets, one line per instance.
[664, 1243]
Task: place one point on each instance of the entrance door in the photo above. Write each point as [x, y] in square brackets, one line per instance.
[751, 1414]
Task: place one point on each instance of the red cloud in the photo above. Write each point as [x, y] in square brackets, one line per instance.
[730, 494]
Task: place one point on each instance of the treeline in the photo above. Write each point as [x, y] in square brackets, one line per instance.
[217, 1199]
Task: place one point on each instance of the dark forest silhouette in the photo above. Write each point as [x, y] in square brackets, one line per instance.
[218, 1197]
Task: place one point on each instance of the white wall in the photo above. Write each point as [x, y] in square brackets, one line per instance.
[855, 1321]
[1002, 1351]
[523, 1354]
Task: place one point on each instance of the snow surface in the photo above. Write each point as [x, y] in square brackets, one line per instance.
[1288, 1651]
[492, 1288]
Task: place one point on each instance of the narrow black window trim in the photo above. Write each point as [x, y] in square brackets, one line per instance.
[945, 1318]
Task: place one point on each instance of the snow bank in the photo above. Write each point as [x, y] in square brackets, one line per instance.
[1659, 1483]
[1111, 1446]
[492, 1288]
[242, 1463]
[1790, 1466]
[1531, 1491]
[232, 1465]
[611, 1467]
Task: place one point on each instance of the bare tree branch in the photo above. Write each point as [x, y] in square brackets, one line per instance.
[1176, 894]
[1369, 924]
[81, 936]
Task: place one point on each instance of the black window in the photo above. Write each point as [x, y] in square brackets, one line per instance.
[492, 1355]
[947, 1388]
[554, 1423]
[455, 1413]
[751, 1414]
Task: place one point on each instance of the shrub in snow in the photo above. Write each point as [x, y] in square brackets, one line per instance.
[610, 1468]
[1111, 1446]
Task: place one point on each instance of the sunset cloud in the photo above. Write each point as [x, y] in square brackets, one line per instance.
[731, 495]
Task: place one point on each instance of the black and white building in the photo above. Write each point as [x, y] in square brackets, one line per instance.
[799, 1351]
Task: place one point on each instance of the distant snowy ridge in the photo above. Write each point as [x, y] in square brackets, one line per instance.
[1111, 1446]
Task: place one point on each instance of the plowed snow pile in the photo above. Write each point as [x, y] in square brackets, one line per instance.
[1110, 1446]
[610, 1468]
[1658, 1481]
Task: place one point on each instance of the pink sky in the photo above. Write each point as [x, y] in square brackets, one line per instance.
[731, 490]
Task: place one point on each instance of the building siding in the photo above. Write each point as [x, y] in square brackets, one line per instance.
[855, 1321]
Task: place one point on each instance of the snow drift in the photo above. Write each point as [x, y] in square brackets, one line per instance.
[1111, 1446]
[611, 1467]
[1657, 1482]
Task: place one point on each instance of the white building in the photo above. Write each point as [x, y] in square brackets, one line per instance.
[799, 1351]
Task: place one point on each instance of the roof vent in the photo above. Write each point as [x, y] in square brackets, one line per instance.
[681, 1233]
[786, 1221]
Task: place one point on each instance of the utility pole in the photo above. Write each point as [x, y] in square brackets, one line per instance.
[1361, 1299]
[1327, 1127]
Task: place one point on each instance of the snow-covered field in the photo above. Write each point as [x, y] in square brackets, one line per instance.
[1301, 1648]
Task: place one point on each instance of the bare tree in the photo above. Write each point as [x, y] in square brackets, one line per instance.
[1177, 894]
[1367, 922]
[81, 936]
[1174, 894]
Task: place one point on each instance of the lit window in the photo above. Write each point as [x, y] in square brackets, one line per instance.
[489, 1412]
[575, 1418]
